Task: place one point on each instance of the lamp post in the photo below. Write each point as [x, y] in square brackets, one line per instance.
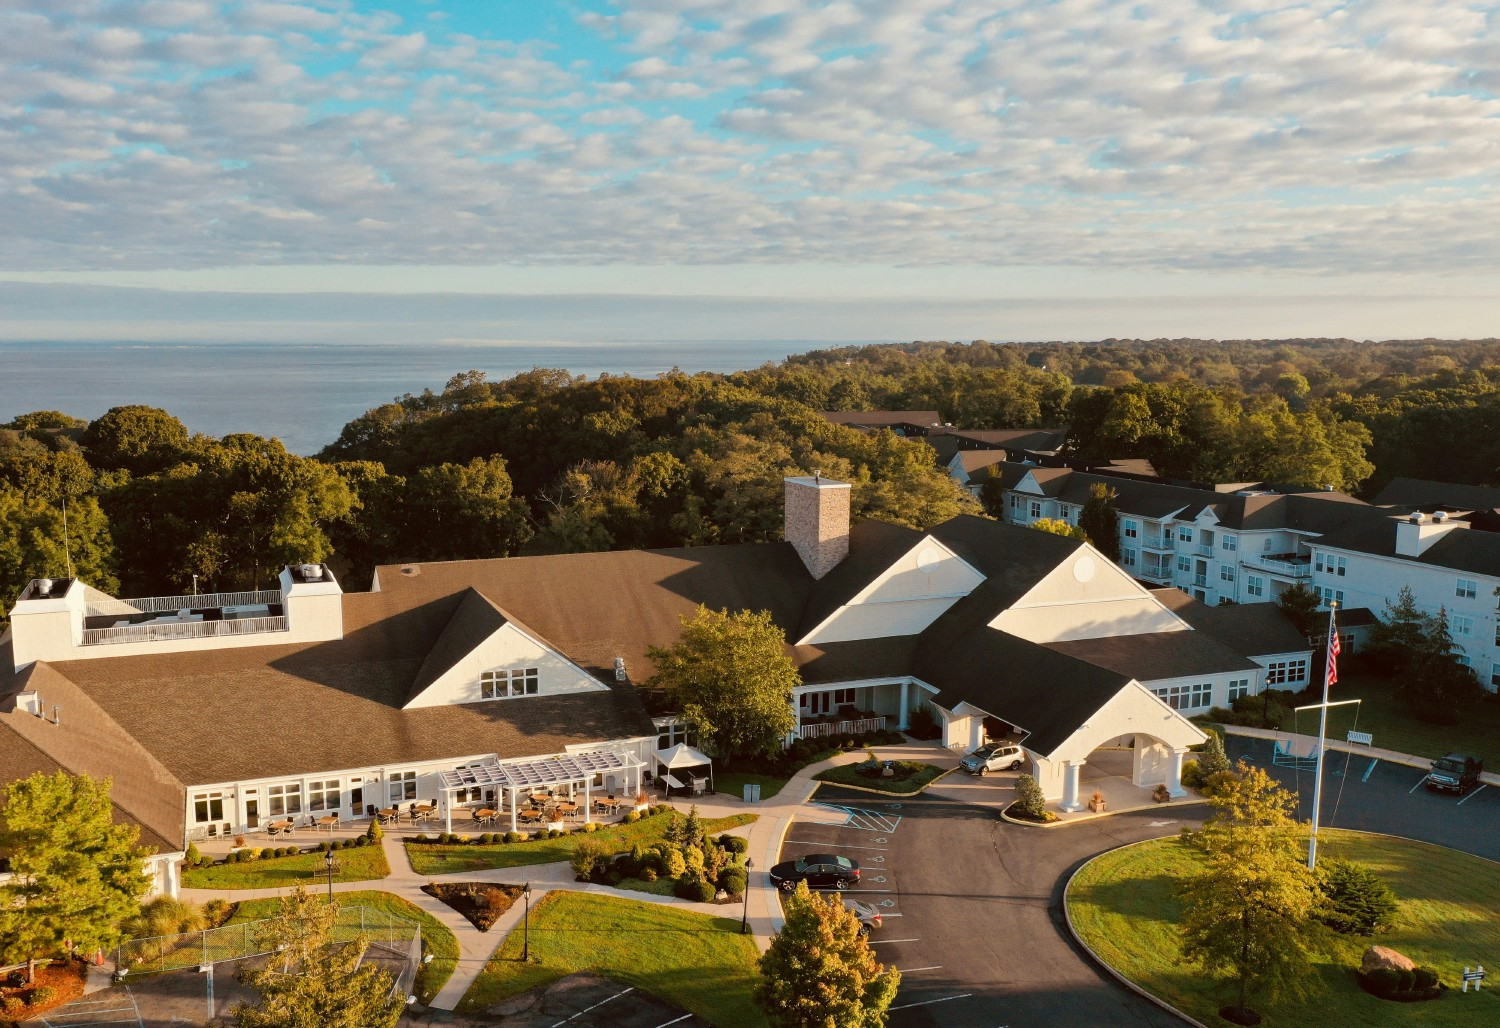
[328, 863]
[745, 911]
[526, 924]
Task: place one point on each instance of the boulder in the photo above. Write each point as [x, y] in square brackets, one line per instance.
[1383, 956]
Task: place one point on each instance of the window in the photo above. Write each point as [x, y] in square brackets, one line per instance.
[1015, 502]
[1328, 595]
[1466, 589]
[1187, 697]
[1036, 509]
[1208, 539]
[1227, 572]
[1463, 659]
[401, 785]
[1461, 625]
[1185, 534]
[498, 685]
[1128, 557]
[1184, 564]
[323, 795]
[1238, 687]
[1281, 672]
[1340, 566]
[673, 731]
[356, 795]
[285, 799]
[1495, 674]
[1131, 529]
[1255, 585]
[1230, 543]
[208, 807]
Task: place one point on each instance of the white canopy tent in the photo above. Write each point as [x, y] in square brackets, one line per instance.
[684, 756]
[571, 769]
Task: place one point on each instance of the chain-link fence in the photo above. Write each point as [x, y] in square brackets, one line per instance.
[386, 932]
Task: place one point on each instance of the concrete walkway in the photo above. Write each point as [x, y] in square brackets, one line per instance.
[774, 816]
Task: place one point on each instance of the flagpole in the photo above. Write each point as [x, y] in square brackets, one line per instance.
[1330, 650]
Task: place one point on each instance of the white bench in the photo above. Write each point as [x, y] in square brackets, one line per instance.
[1363, 738]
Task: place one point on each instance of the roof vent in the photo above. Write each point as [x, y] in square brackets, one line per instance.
[311, 572]
[1415, 519]
[44, 587]
[411, 569]
[1440, 516]
[619, 669]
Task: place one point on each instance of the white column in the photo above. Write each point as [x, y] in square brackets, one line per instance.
[905, 715]
[513, 808]
[588, 802]
[448, 810]
[1174, 773]
[1070, 785]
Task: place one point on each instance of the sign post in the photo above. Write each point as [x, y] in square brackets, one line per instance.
[1476, 976]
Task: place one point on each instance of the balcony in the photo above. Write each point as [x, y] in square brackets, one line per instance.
[173, 630]
[852, 726]
[1201, 581]
[1287, 565]
[1158, 543]
[177, 618]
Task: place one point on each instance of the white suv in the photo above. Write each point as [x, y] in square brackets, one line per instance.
[994, 757]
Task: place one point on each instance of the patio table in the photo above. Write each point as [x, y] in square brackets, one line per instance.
[485, 815]
[328, 821]
[274, 827]
[388, 814]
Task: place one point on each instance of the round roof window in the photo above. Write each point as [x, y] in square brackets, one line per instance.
[1084, 568]
[928, 560]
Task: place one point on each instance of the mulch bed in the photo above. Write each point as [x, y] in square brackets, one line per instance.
[481, 902]
[67, 978]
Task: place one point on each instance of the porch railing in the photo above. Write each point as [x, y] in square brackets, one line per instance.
[200, 601]
[855, 726]
[172, 631]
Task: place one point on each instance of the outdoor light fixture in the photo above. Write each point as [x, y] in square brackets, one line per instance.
[328, 861]
[745, 912]
[526, 924]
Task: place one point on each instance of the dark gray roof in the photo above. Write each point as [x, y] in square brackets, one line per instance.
[1420, 492]
[1249, 629]
[474, 621]
[1462, 549]
[883, 418]
[1158, 655]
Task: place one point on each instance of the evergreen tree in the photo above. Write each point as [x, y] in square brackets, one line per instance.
[1398, 639]
[1355, 900]
[819, 972]
[1250, 914]
[1436, 687]
[1213, 759]
[1300, 604]
[1100, 521]
[312, 980]
[75, 874]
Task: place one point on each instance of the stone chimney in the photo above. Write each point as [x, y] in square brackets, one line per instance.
[1416, 533]
[817, 522]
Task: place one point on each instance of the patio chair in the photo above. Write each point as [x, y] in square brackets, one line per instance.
[370, 810]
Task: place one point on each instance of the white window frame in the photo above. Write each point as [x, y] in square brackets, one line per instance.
[1185, 564]
[208, 808]
[284, 799]
[1255, 585]
[324, 794]
[1287, 672]
[1230, 543]
[1185, 534]
[1226, 572]
[1466, 588]
[1238, 687]
[1128, 557]
[1187, 697]
[1462, 625]
[1036, 509]
[400, 786]
[509, 683]
[1130, 529]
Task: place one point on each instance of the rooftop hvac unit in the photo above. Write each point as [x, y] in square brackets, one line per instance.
[312, 572]
[619, 669]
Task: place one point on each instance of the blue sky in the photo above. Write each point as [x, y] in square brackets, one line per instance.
[1207, 167]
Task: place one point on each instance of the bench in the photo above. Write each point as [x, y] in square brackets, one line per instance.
[1363, 738]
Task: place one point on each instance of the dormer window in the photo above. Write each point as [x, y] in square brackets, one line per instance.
[499, 685]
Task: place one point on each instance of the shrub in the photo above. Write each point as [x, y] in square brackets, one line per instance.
[324, 847]
[1213, 759]
[269, 853]
[11, 1004]
[1192, 774]
[591, 827]
[701, 892]
[1426, 978]
[374, 833]
[1383, 981]
[673, 864]
[1029, 799]
[613, 877]
[590, 857]
[734, 843]
[514, 837]
[361, 840]
[446, 838]
[648, 874]
[627, 865]
[216, 911]
[192, 858]
[632, 817]
[42, 994]
[419, 837]
[1355, 900]
[289, 851]
[733, 880]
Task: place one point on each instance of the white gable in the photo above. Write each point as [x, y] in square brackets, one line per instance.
[507, 649]
[1086, 597]
[1132, 710]
[904, 598]
[1028, 484]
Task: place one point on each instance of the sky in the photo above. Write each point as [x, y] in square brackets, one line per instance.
[595, 170]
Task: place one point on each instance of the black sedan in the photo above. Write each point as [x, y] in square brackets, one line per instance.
[818, 870]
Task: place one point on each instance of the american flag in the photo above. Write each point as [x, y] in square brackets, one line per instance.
[1333, 656]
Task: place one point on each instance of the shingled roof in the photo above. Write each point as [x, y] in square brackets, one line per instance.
[1423, 493]
[1249, 629]
[1462, 549]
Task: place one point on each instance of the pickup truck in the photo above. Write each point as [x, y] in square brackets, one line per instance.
[1455, 773]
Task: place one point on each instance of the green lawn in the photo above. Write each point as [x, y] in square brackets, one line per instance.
[1384, 717]
[361, 864]
[845, 774]
[1124, 906]
[436, 937]
[433, 859]
[696, 961]
[732, 783]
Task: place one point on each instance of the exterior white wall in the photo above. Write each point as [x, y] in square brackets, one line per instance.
[1086, 597]
[904, 599]
[507, 649]
[1132, 710]
[1218, 684]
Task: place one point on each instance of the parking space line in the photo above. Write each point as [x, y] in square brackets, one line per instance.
[1414, 788]
[585, 1010]
[1370, 769]
[887, 942]
[913, 970]
[1471, 795]
[675, 1020]
[809, 842]
[930, 1002]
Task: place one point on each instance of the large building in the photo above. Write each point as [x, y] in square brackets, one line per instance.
[458, 683]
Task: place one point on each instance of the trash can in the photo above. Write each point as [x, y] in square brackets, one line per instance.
[752, 792]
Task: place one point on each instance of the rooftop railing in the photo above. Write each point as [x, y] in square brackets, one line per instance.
[1285, 564]
[174, 631]
[197, 601]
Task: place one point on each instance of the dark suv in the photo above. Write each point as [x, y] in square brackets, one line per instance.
[1455, 773]
[818, 870]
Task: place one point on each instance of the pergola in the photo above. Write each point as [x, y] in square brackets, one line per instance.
[513, 777]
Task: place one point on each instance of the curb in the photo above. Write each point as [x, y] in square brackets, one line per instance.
[1060, 823]
[876, 792]
[1116, 975]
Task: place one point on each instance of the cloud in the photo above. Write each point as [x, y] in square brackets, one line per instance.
[1097, 133]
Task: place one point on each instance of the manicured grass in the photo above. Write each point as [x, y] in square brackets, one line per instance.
[436, 938]
[732, 783]
[1382, 715]
[1124, 905]
[845, 774]
[695, 961]
[434, 859]
[359, 864]
[660, 887]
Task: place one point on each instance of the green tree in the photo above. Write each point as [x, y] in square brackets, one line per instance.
[1249, 914]
[1100, 520]
[135, 438]
[31, 543]
[1398, 639]
[444, 512]
[314, 981]
[1213, 759]
[75, 874]
[1300, 604]
[1059, 527]
[819, 972]
[1436, 687]
[730, 677]
[1356, 901]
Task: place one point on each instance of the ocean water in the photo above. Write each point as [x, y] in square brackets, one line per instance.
[304, 394]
